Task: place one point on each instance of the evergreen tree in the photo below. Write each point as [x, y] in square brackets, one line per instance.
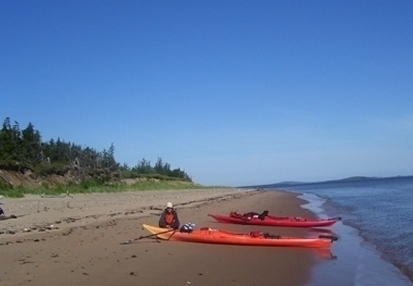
[24, 149]
[31, 146]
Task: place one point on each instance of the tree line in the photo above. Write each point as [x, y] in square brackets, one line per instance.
[23, 149]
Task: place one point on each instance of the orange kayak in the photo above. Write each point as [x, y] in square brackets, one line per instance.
[268, 220]
[255, 238]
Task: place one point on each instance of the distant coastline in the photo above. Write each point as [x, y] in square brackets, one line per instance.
[348, 179]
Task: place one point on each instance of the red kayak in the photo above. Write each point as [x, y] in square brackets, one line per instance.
[268, 220]
[255, 238]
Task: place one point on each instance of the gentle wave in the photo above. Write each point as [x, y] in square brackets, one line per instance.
[378, 213]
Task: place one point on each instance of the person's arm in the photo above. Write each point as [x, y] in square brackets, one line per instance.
[175, 224]
[162, 220]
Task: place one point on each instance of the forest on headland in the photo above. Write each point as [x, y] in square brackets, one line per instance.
[22, 151]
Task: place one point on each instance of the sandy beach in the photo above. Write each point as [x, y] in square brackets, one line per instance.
[76, 240]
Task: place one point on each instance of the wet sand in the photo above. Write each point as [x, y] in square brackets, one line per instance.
[76, 240]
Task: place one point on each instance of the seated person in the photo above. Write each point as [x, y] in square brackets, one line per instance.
[169, 217]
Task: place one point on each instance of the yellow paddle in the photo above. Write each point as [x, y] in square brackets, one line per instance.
[148, 236]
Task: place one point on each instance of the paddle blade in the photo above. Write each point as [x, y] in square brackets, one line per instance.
[147, 236]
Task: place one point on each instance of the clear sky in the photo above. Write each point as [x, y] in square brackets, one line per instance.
[232, 92]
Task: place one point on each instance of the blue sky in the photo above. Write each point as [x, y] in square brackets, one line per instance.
[233, 92]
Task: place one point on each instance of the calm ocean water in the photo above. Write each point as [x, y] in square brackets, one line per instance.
[375, 245]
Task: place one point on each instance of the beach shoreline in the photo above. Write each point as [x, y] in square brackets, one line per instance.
[76, 240]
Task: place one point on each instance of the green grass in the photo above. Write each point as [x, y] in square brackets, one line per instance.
[94, 187]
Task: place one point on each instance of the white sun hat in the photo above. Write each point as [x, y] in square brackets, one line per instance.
[169, 205]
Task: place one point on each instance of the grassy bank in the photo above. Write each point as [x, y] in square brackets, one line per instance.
[94, 187]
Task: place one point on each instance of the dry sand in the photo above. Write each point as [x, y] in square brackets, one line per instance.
[76, 240]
